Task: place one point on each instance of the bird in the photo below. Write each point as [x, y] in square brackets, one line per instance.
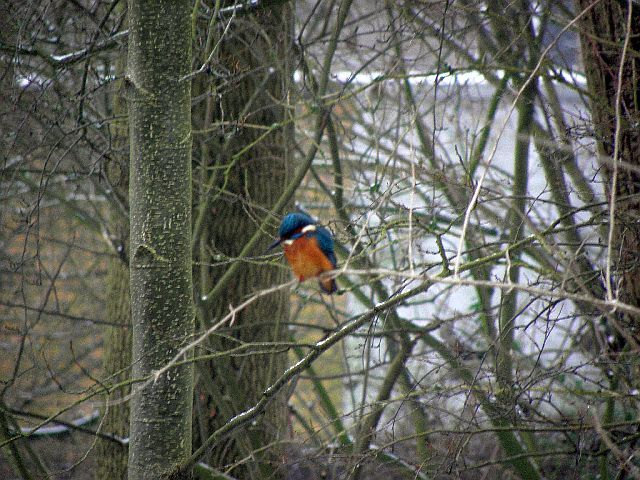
[308, 248]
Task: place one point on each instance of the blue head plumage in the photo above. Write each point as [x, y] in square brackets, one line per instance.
[294, 221]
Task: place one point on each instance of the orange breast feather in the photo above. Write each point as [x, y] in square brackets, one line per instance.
[306, 258]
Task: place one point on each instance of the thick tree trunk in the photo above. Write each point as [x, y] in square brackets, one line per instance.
[603, 30]
[159, 100]
[112, 458]
[256, 51]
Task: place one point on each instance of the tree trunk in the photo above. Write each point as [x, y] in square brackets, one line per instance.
[111, 457]
[603, 31]
[256, 51]
[159, 100]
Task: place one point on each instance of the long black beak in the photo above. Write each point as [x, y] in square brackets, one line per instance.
[274, 245]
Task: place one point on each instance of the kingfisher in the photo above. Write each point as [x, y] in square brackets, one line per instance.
[308, 248]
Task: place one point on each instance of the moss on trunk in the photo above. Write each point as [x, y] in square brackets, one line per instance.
[159, 100]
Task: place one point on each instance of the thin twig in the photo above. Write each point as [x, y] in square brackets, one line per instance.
[616, 154]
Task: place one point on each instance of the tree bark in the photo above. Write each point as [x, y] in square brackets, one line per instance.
[603, 30]
[159, 100]
[111, 457]
[256, 51]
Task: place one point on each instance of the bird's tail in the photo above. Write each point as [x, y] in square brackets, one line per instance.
[328, 285]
